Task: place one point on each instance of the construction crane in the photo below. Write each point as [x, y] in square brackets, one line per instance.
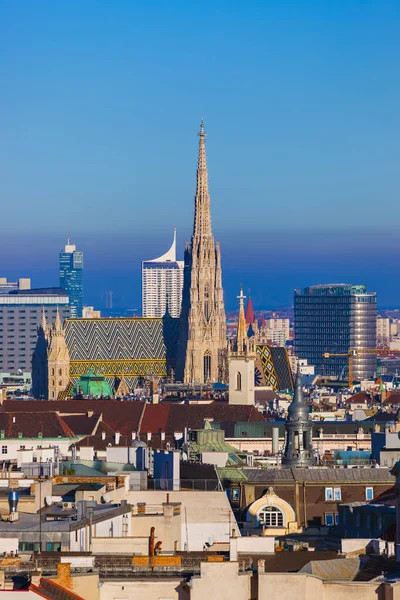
[354, 352]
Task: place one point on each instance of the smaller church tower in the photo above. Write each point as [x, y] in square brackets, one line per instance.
[241, 357]
[39, 361]
[57, 361]
[298, 451]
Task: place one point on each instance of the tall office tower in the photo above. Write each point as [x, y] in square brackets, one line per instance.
[20, 318]
[162, 283]
[71, 278]
[335, 319]
[203, 334]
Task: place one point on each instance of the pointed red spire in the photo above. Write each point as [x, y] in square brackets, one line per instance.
[263, 322]
[250, 315]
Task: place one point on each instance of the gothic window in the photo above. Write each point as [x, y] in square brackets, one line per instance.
[206, 303]
[60, 372]
[270, 516]
[60, 383]
[238, 381]
[52, 381]
[207, 367]
[52, 372]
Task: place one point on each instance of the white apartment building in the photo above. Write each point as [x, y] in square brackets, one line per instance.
[162, 284]
[278, 331]
[383, 330]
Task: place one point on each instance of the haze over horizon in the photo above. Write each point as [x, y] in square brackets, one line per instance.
[99, 112]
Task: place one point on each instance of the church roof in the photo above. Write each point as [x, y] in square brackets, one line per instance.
[250, 314]
[113, 339]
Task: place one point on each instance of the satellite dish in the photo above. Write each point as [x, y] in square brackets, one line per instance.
[48, 500]
[106, 498]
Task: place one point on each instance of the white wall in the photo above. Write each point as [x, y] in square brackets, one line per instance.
[246, 394]
[8, 545]
[206, 516]
[118, 526]
[250, 544]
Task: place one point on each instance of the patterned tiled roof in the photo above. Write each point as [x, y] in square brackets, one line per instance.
[110, 339]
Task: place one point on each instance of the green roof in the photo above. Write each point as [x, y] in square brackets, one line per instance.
[231, 473]
[92, 384]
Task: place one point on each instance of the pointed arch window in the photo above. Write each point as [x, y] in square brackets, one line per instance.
[238, 381]
[206, 302]
[207, 366]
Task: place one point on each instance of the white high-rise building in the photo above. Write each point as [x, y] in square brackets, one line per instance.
[162, 281]
[278, 331]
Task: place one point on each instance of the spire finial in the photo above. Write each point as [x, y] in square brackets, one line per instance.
[43, 323]
[57, 322]
[241, 330]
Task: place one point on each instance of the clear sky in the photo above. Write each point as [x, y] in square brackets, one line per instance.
[100, 103]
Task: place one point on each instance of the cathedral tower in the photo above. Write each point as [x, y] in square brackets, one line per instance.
[57, 361]
[203, 324]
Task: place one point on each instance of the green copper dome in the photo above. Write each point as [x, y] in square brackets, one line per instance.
[92, 384]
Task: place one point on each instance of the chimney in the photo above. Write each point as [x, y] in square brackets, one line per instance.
[103, 435]
[35, 577]
[133, 435]
[64, 575]
[149, 437]
[261, 566]
[117, 437]
[162, 436]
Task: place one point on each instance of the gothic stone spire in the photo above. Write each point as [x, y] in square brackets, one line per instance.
[203, 323]
[202, 217]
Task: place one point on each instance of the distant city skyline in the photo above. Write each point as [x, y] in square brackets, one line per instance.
[269, 269]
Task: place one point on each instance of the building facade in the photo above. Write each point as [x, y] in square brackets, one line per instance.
[20, 317]
[278, 331]
[335, 319]
[162, 284]
[203, 345]
[12, 286]
[383, 331]
[71, 277]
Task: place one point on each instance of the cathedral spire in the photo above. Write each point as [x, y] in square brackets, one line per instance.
[241, 330]
[202, 217]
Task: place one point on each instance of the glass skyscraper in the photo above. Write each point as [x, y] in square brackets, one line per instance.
[71, 278]
[335, 319]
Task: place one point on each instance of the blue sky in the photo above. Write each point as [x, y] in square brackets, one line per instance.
[99, 108]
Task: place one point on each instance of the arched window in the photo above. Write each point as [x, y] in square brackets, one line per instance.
[60, 372]
[270, 516]
[60, 383]
[207, 367]
[238, 381]
[52, 372]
